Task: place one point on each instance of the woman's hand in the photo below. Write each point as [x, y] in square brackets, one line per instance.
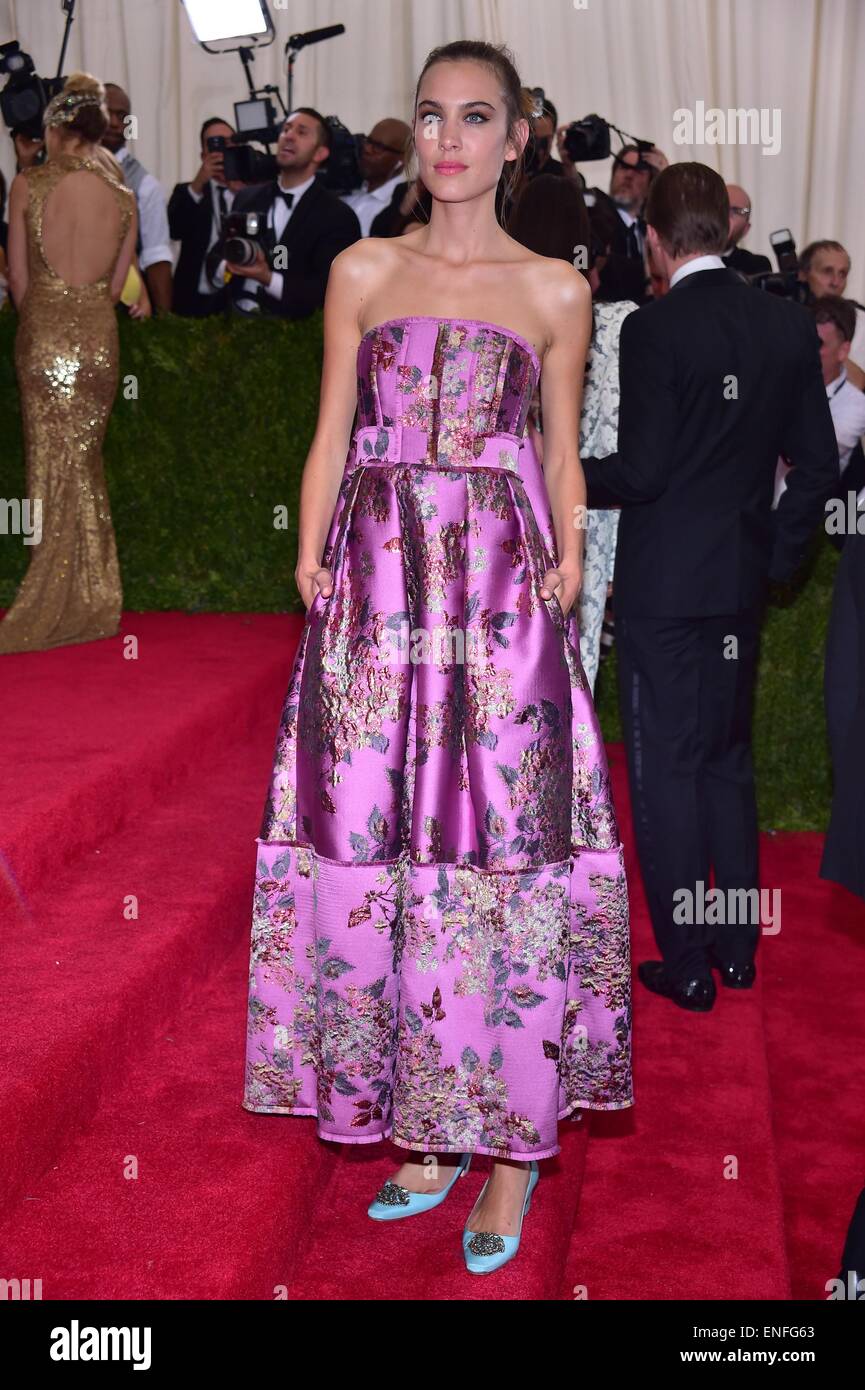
[313, 581]
[563, 584]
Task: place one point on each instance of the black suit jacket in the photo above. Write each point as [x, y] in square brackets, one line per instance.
[190, 223]
[390, 222]
[717, 379]
[623, 275]
[320, 226]
[851, 480]
[748, 262]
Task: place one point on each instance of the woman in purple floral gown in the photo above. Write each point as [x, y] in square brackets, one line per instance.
[440, 952]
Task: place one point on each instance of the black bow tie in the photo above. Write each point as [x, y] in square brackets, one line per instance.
[288, 197]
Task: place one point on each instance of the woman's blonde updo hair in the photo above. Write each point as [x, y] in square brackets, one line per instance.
[79, 108]
[518, 102]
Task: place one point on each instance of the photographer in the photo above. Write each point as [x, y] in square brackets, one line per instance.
[836, 320]
[617, 222]
[303, 226]
[825, 266]
[195, 212]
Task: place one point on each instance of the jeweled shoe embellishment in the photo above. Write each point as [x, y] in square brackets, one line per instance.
[392, 1195]
[486, 1243]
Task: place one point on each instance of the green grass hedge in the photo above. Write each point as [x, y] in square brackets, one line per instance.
[217, 438]
[790, 749]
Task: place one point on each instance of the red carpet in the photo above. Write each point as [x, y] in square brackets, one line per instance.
[132, 791]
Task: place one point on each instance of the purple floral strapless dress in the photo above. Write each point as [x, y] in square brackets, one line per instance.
[440, 950]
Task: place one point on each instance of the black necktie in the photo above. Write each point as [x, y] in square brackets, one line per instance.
[223, 206]
[288, 197]
[632, 242]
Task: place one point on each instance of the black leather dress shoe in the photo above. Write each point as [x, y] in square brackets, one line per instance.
[734, 975]
[697, 994]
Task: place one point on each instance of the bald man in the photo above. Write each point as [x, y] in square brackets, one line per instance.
[735, 256]
[382, 163]
[154, 242]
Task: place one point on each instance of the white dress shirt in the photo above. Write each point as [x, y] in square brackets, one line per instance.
[152, 220]
[367, 203]
[857, 347]
[847, 408]
[204, 285]
[698, 263]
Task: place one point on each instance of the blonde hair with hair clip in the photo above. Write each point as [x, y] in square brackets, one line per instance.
[80, 89]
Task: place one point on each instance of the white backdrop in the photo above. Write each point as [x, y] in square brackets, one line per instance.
[633, 61]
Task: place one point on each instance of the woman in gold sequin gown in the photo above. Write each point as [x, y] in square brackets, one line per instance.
[72, 233]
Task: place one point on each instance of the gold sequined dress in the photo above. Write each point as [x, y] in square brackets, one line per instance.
[66, 359]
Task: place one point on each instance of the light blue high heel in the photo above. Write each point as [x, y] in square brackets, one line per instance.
[485, 1251]
[392, 1201]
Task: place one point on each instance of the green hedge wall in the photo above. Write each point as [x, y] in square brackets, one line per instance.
[217, 438]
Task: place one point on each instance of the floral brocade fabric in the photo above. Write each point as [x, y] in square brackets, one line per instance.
[440, 948]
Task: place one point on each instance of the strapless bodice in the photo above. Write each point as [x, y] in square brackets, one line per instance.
[454, 392]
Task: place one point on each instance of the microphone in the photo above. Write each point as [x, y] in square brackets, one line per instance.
[314, 36]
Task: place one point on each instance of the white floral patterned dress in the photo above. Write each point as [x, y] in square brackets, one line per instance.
[599, 433]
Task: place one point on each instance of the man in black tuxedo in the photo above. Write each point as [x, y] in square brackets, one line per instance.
[304, 227]
[717, 379]
[195, 210]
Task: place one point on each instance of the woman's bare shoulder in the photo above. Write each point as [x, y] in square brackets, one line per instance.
[357, 272]
[562, 294]
[369, 253]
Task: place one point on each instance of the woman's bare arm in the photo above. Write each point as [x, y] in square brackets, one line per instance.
[19, 272]
[323, 471]
[567, 301]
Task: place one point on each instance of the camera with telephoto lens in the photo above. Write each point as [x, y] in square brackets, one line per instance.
[238, 232]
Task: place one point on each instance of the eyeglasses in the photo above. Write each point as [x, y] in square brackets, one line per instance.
[741, 212]
[377, 145]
